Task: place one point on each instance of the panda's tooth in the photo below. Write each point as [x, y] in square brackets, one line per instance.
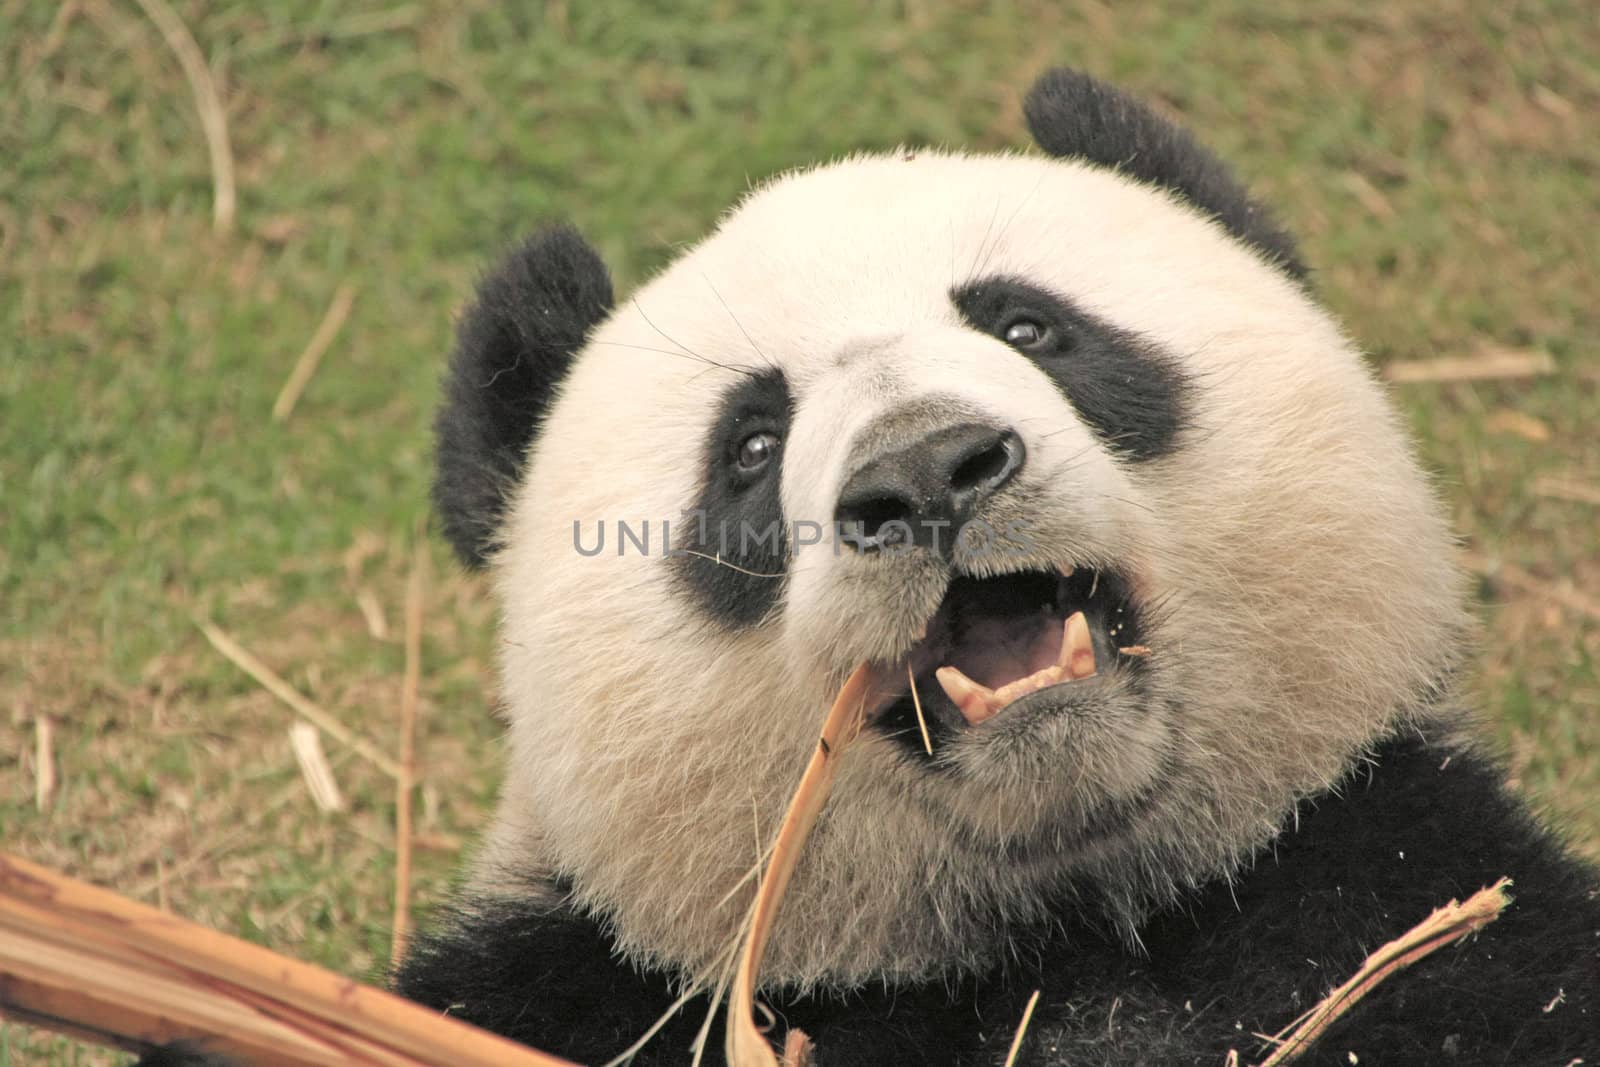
[975, 701]
[1077, 648]
[1045, 676]
[1064, 656]
[1070, 637]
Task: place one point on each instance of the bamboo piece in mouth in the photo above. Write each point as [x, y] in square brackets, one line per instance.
[745, 1045]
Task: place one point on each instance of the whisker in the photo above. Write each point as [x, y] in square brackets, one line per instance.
[981, 257]
[686, 350]
[719, 561]
[739, 324]
[988, 248]
[648, 348]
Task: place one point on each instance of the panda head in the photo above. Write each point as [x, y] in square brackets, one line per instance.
[1107, 367]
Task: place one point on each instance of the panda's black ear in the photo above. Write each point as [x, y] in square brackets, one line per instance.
[1071, 114]
[514, 345]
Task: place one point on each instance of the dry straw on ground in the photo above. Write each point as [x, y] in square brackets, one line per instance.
[1488, 364]
[315, 771]
[207, 101]
[275, 684]
[1561, 592]
[405, 785]
[316, 348]
[44, 761]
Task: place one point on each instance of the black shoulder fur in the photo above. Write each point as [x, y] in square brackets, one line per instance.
[1071, 114]
[513, 347]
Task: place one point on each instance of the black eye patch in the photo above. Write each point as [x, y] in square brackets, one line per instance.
[731, 548]
[1129, 392]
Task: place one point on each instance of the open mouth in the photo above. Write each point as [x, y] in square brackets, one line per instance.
[995, 642]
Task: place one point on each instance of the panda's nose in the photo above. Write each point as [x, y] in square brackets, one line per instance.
[922, 493]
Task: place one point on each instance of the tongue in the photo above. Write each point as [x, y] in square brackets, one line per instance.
[995, 651]
[1074, 660]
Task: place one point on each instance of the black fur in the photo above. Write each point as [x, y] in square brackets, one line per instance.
[513, 347]
[185, 1054]
[550, 979]
[1072, 114]
[732, 542]
[1131, 394]
[1418, 826]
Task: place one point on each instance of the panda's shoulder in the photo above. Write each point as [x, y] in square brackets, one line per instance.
[1415, 826]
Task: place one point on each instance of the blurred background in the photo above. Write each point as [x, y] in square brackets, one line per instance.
[196, 199]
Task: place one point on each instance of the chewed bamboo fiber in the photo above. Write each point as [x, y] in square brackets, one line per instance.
[745, 1045]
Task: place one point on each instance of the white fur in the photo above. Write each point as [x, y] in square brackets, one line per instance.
[1301, 577]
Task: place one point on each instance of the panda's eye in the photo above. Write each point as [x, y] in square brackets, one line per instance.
[1026, 334]
[756, 451]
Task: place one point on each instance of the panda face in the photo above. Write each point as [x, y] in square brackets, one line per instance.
[1143, 420]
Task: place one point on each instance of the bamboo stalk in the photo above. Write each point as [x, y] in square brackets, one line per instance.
[1443, 926]
[745, 1046]
[87, 962]
[1022, 1029]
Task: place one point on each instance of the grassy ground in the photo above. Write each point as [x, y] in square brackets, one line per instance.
[1438, 159]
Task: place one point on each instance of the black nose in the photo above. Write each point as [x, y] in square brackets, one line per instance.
[924, 493]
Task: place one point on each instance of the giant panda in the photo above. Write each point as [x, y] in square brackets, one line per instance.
[1111, 363]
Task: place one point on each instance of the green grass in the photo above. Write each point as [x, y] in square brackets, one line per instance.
[1438, 160]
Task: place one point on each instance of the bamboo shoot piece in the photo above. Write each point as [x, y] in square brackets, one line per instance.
[745, 1045]
[86, 962]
